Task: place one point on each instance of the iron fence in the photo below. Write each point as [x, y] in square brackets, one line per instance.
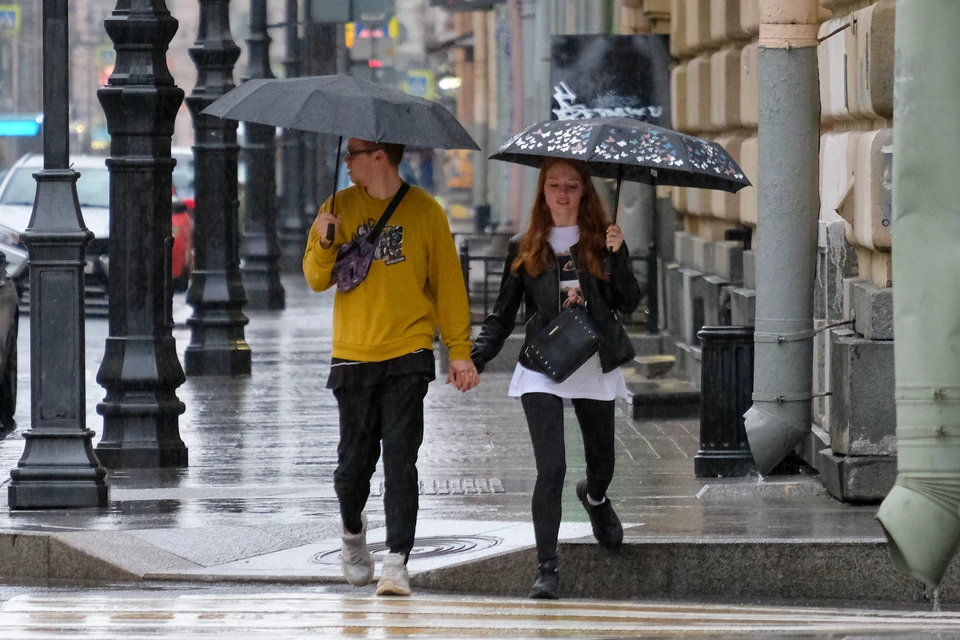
[483, 273]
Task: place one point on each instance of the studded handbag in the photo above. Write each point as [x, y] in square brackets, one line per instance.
[565, 344]
[355, 257]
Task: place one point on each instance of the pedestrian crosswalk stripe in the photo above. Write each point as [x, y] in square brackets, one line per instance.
[109, 616]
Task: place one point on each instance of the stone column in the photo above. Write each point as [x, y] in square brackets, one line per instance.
[140, 369]
[260, 246]
[58, 467]
[217, 344]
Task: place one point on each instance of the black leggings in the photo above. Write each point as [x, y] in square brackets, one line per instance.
[544, 413]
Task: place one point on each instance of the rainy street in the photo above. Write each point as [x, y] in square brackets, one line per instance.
[245, 538]
[479, 319]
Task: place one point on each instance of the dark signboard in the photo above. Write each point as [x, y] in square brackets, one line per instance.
[352, 10]
[466, 5]
[599, 76]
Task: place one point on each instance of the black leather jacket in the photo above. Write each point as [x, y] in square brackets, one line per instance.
[604, 298]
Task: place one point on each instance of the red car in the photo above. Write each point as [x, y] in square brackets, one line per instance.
[181, 262]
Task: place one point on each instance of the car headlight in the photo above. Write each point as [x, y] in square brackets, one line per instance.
[9, 236]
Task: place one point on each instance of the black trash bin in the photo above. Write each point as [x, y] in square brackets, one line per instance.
[726, 391]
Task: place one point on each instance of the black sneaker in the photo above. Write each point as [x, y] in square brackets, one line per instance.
[546, 584]
[606, 525]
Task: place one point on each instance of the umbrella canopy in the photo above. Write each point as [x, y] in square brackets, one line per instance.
[628, 149]
[345, 106]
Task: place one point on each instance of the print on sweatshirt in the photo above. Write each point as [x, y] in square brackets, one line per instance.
[569, 281]
[390, 246]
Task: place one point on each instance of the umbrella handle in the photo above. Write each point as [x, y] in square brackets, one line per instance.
[608, 260]
[616, 198]
[331, 229]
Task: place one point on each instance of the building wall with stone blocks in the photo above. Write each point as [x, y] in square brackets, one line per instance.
[714, 92]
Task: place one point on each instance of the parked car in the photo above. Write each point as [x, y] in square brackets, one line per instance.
[181, 262]
[183, 175]
[16, 254]
[18, 190]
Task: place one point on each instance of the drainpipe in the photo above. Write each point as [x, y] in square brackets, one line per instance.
[789, 139]
[601, 16]
[481, 97]
[920, 515]
[538, 89]
[515, 17]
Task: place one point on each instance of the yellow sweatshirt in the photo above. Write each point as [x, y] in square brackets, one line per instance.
[414, 282]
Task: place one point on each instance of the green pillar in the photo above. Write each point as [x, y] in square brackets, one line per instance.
[920, 515]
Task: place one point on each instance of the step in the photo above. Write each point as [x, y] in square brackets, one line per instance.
[654, 366]
[762, 569]
[661, 398]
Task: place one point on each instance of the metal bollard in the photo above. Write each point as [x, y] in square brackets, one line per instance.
[726, 389]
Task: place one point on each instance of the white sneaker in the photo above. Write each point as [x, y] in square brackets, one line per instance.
[394, 579]
[355, 559]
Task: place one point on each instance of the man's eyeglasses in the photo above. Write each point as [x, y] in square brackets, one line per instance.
[350, 153]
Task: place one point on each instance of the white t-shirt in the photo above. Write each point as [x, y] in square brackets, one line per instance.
[589, 381]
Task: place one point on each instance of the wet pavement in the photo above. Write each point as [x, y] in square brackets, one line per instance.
[183, 616]
[258, 500]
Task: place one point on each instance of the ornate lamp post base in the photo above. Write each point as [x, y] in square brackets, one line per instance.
[58, 470]
[210, 361]
[142, 441]
[262, 283]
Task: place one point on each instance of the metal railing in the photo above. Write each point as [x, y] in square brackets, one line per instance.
[482, 275]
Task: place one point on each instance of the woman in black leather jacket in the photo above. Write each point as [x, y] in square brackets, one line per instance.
[560, 262]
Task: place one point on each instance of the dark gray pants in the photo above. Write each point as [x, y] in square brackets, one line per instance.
[391, 412]
[544, 413]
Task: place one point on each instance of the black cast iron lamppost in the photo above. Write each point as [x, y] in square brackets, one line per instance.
[140, 368]
[292, 234]
[261, 246]
[217, 344]
[310, 145]
[58, 467]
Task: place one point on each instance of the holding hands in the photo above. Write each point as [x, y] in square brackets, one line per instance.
[614, 238]
[463, 374]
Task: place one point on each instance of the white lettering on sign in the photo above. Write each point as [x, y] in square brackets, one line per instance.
[570, 110]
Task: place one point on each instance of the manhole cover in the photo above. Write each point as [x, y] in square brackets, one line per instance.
[433, 547]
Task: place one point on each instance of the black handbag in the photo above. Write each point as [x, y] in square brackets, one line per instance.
[561, 347]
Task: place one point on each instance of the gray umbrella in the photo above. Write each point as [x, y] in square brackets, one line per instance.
[345, 106]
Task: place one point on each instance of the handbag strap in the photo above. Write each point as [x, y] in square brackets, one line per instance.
[374, 235]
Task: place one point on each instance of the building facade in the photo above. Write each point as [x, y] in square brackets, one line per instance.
[708, 240]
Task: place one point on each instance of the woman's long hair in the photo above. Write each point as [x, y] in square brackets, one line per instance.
[591, 219]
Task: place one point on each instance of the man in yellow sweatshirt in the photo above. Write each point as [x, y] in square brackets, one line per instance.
[383, 348]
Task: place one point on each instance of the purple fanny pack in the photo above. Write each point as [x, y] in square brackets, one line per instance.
[354, 258]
